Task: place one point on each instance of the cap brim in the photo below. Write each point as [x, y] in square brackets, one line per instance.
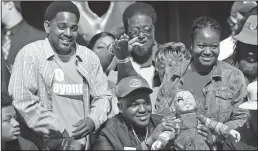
[247, 38]
[141, 88]
[249, 105]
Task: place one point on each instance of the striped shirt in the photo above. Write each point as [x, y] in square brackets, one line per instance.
[32, 79]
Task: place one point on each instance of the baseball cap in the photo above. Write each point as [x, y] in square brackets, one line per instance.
[248, 35]
[251, 104]
[243, 6]
[130, 84]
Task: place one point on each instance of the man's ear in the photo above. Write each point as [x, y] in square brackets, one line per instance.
[153, 31]
[10, 5]
[47, 26]
[120, 107]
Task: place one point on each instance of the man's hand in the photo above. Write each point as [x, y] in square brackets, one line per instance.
[236, 135]
[84, 127]
[168, 124]
[123, 46]
[205, 132]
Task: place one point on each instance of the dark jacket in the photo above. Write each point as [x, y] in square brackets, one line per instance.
[20, 144]
[115, 134]
[23, 34]
[230, 144]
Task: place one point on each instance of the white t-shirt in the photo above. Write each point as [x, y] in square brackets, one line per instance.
[68, 94]
[226, 48]
[147, 72]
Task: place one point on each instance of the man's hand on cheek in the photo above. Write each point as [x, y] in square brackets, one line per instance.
[83, 128]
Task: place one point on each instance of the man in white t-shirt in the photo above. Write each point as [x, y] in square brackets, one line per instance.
[238, 15]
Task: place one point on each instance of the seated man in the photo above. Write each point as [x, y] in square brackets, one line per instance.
[134, 127]
[11, 139]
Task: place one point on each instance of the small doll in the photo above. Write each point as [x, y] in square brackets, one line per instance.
[186, 108]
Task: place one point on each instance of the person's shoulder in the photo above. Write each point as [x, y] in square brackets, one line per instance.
[111, 124]
[156, 118]
[33, 49]
[113, 121]
[26, 144]
[34, 33]
[228, 68]
[87, 54]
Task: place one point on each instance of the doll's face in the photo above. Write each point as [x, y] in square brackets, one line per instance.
[185, 102]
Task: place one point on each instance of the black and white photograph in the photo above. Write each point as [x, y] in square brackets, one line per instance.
[128, 75]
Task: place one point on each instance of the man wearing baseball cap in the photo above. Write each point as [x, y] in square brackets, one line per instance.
[245, 53]
[251, 105]
[134, 128]
[240, 11]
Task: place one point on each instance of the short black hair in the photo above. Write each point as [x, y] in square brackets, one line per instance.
[203, 22]
[96, 37]
[6, 100]
[17, 5]
[61, 6]
[139, 8]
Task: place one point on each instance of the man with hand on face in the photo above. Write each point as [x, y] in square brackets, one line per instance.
[134, 128]
[53, 79]
[139, 44]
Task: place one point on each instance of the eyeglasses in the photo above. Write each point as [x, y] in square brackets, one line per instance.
[147, 30]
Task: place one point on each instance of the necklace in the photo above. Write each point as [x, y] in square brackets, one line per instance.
[136, 137]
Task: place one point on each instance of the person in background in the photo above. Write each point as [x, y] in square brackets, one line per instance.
[16, 31]
[245, 51]
[101, 44]
[251, 105]
[245, 58]
[53, 79]
[239, 13]
[139, 21]
[10, 133]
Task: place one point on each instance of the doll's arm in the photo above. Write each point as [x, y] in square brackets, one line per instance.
[222, 129]
[163, 139]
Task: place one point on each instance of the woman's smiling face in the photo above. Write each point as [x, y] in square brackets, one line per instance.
[205, 47]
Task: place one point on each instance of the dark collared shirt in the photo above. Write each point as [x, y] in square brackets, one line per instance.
[21, 35]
